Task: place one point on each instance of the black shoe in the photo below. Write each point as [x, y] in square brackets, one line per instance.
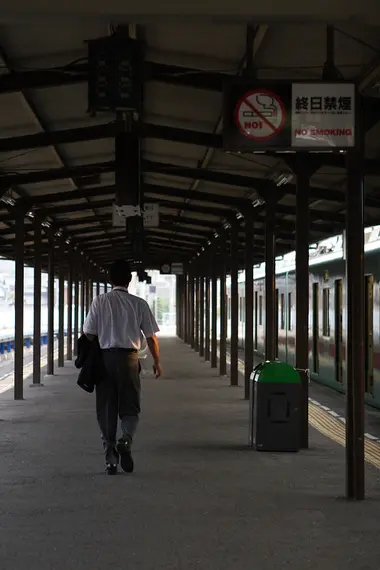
[126, 460]
[111, 469]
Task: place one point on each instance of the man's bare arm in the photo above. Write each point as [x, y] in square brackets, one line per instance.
[155, 352]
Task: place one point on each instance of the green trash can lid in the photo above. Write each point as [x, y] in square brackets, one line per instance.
[277, 372]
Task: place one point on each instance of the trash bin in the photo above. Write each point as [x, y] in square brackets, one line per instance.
[274, 418]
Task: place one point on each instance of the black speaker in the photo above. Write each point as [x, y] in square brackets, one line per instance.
[114, 74]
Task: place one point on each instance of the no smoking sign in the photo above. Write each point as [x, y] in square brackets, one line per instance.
[260, 115]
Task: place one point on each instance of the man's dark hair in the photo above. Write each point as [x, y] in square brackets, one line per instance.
[120, 273]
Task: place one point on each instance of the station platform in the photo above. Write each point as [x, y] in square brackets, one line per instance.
[199, 498]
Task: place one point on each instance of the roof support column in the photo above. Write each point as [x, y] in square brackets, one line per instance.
[88, 291]
[37, 305]
[355, 466]
[97, 288]
[234, 260]
[192, 309]
[69, 352]
[179, 305]
[197, 310]
[91, 284]
[214, 310]
[223, 304]
[302, 293]
[270, 282]
[61, 315]
[249, 263]
[76, 310]
[83, 287]
[207, 318]
[177, 313]
[202, 314]
[183, 307]
[51, 303]
[19, 308]
[105, 286]
[186, 307]
[128, 178]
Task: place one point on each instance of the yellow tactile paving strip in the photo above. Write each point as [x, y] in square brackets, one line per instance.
[334, 429]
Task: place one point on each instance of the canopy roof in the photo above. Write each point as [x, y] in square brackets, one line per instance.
[58, 160]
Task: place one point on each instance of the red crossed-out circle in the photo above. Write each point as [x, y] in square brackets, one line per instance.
[275, 127]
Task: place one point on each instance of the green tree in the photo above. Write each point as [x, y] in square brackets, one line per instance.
[162, 306]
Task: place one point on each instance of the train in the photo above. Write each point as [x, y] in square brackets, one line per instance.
[327, 313]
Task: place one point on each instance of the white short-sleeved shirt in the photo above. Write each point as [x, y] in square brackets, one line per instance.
[118, 318]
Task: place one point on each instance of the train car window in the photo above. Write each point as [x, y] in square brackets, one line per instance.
[368, 332]
[315, 327]
[260, 310]
[289, 311]
[256, 315]
[326, 312]
[282, 308]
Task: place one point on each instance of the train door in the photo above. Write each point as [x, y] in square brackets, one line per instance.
[368, 333]
[338, 331]
[315, 327]
[276, 322]
[256, 316]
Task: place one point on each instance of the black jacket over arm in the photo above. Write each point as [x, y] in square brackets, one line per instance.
[90, 362]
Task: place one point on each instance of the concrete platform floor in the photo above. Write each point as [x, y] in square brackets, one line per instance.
[199, 499]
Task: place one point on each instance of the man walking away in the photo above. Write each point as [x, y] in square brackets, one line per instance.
[117, 318]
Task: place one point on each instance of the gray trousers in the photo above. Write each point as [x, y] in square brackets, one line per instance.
[118, 396]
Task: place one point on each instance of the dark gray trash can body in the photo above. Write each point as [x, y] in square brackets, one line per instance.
[275, 408]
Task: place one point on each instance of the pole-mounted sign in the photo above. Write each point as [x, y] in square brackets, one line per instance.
[260, 115]
[281, 116]
[171, 269]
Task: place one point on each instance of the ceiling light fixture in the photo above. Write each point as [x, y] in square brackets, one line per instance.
[8, 200]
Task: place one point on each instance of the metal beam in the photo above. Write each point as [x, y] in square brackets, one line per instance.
[32, 177]
[247, 182]
[194, 223]
[163, 132]
[161, 231]
[53, 138]
[89, 227]
[78, 73]
[157, 238]
[217, 212]
[154, 189]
